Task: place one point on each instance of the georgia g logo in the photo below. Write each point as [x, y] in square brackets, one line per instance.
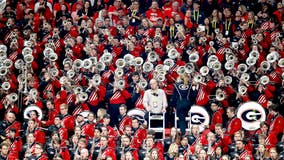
[198, 116]
[251, 114]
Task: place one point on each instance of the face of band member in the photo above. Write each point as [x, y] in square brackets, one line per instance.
[154, 84]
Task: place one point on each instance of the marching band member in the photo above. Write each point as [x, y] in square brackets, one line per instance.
[234, 124]
[57, 126]
[123, 119]
[67, 119]
[216, 116]
[276, 122]
[138, 133]
[105, 150]
[8, 123]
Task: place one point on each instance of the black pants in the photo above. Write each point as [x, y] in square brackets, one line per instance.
[182, 108]
[113, 111]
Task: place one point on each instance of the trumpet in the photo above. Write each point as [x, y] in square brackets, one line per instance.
[242, 89]
[264, 80]
[28, 44]
[147, 67]
[204, 70]
[70, 73]
[13, 97]
[211, 43]
[147, 49]
[33, 93]
[87, 63]
[118, 72]
[173, 53]
[28, 58]
[265, 66]
[159, 67]
[230, 57]
[194, 57]
[120, 63]
[228, 80]
[83, 96]
[5, 86]
[242, 68]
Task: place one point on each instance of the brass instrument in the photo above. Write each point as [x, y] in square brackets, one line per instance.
[220, 95]
[250, 61]
[245, 77]
[53, 72]
[216, 65]
[5, 86]
[138, 61]
[242, 89]
[194, 57]
[77, 64]
[120, 63]
[47, 51]
[128, 58]
[28, 58]
[189, 68]
[265, 66]
[70, 74]
[26, 51]
[242, 68]
[118, 72]
[169, 62]
[147, 67]
[87, 63]
[228, 80]
[120, 84]
[272, 57]
[229, 65]
[100, 66]
[77, 90]
[3, 71]
[264, 80]
[52, 57]
[143, 83]
[83, 96]
[152, 57]
[197, 78]
[254, 54]
[204, 70]
[62, 80]
[160, 77]
[281, 63]
[33, 93]
[13, 97]
[173, 53]
[68, 61]
[96, 80]
[7, 63]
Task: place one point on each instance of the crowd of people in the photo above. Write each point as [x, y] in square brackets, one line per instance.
[81, 78]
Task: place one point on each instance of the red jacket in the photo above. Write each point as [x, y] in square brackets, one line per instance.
[234, 125]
